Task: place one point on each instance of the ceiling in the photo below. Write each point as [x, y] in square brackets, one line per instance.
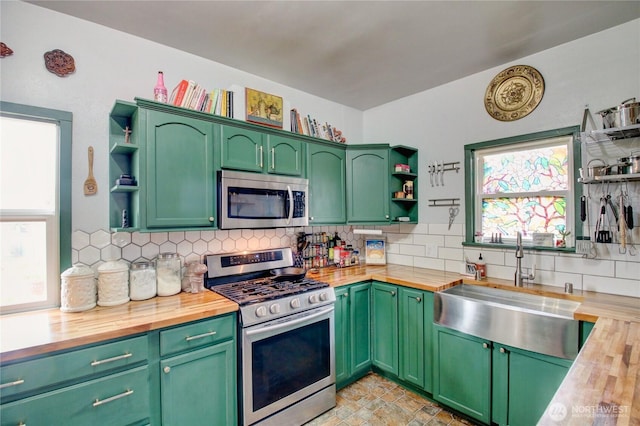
[358, 53]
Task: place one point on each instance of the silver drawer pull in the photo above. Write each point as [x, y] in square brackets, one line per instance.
[115, 358]
[112, 398]
[9, 384]
[200, 336]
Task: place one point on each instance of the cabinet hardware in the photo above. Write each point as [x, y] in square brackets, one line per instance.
[346, 295]
[386, 216]
[273, 158]
[211, 219]
[166, 369]
[9, 384]
[419, 299]
[115, 358]
[485, 345]
[503, 351]
[393, 293]
[261, 157]
[200, 336]
[112, 398]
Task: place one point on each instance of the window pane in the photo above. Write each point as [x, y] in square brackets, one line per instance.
[525, 214]
[28, 164]
[531, 170]
[23, 269]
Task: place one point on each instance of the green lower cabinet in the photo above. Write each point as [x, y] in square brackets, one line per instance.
[523, 384]
[352, 332]
[415, 322]
[462, 373]
[385, 326]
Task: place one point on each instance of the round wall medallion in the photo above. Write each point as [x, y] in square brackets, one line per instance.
[59, 62]
[514, 93]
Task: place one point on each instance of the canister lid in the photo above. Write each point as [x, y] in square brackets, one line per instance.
[141, 264]
[113, 266]
[167, 255]
[78, 270]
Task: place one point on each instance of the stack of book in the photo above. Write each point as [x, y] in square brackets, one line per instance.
[191, 95]
[311, 127]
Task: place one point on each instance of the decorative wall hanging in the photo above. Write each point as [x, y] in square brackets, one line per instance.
[59, 62]
[263, 108]
[514, 93]
[5, 50]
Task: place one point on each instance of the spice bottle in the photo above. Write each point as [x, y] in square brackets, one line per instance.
[168, 272]
[160, 91]
[142, 281]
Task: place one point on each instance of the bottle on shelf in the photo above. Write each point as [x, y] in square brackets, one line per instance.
[160, 91]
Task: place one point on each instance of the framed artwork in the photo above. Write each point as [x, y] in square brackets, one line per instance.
[263, 108]
[375, 251]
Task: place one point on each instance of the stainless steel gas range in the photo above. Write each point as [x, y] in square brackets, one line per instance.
[286, 337]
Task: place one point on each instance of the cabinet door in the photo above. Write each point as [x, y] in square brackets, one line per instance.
[327, 182]
[360, 325]
[368, 186]
[181, 190]
[523, 384]
[342, 341]
[242, 149]
[412, 337]
[462, 373]
[199, 387]
[285, 156]
[385, 326]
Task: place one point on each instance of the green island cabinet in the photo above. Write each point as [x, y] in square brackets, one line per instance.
[154, 378]
[353, 332]
[402, 327]
[491, 382]
[326, 171]
[256, 151]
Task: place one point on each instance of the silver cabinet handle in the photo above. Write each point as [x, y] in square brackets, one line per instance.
[167, 369]
[311, 219]
[261, 157]
[115, 358]
[200, 336]
[386, 216]
[346, 295]
[503, 351]
[273, 158]
[112, 398]
[211, 219]
[393, 293]
[485, 345]
[9, 384]
[419, 299]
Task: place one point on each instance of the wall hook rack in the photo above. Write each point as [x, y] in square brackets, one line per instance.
[444, 202]
[437, 169]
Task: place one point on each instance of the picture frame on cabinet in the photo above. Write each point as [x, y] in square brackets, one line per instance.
[263, 108]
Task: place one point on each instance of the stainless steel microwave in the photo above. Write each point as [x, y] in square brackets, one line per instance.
[253, 200]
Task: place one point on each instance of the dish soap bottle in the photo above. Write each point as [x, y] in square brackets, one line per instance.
[160, 91]
[482, 267]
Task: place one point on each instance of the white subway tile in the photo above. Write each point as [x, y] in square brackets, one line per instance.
[453, 265]
[429, 239]
[586, 266]
[443, 229]
[612, 285]
[428, 262]
[453, 241]
[451, 253]
[399, 259]
[630, 270]
[412, 250]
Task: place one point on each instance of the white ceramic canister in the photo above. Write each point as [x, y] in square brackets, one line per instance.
[78, 289]
[168, 272]
[142, 281]
[113, 283]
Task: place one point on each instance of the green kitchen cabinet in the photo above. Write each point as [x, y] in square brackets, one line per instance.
[368, 184]
[326, 172]
[415, 322]
[462, 373]
[255, 151]
[523, 384]
[403, 207]
[385, 326]
[352, 332]
[180, 175]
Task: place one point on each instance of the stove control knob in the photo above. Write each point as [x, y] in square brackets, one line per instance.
[295, 303]
[324, 297]
[313, 299]
[274, 309]
[261, 311]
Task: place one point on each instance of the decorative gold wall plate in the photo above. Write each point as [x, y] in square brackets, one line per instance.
[514, 93]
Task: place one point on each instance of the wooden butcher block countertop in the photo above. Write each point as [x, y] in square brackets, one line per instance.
[605, 374]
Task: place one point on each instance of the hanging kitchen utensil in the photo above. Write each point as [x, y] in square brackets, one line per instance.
[583, 208]
[602, 235]
[622, 226]
[90, 184]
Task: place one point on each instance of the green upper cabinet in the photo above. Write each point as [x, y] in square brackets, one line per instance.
[255, 151]
[326, 172]
[403, 209]
[385, 326]
[180, 181]
[368, 184]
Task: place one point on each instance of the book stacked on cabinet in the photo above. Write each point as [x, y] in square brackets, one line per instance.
[191, 95]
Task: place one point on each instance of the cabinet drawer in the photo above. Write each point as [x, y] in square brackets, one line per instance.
[197, 335]
[118, 399]
[53, 370]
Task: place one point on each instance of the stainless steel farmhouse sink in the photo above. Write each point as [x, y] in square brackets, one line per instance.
[528, 321]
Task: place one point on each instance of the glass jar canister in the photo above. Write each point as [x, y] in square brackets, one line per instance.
[113, 283]
[168, 272]
[78, 289]
[142, 281]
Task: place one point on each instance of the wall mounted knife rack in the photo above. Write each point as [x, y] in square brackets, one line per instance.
[444, 202]
[437, 169]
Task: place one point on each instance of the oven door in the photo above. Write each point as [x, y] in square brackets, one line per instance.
[287, 360]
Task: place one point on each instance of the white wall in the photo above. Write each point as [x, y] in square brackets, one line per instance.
[598, 70]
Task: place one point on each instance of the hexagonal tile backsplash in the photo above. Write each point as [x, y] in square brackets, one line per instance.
[100, 246]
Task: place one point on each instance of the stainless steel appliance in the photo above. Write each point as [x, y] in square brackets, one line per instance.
[286, 339]
[252, 200]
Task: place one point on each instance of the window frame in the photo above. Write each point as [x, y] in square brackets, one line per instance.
[471, 208]
[64, 122]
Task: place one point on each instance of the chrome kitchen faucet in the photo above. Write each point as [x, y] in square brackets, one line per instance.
[519, 275]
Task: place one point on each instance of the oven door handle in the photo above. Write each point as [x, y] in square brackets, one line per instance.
[289, 324]
[290, 205]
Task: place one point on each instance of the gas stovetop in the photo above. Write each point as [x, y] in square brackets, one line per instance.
[263, 289]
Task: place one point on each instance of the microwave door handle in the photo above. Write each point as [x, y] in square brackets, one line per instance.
[290, 205]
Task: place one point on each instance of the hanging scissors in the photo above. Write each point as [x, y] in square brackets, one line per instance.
[453, 212]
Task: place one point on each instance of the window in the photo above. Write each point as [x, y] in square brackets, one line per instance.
[35, 204]
[523, 184]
